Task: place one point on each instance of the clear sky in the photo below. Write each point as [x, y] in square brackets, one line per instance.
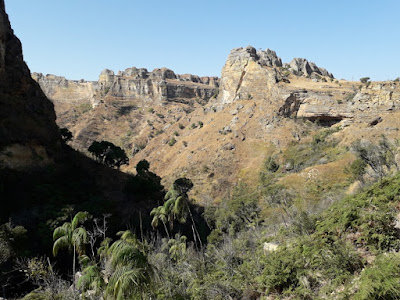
[79, 38]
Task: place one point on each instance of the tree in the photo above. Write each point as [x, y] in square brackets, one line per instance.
[177, 247]
[92, 277]
[379, 157]
[144, 181]
[159, 215]
[109, 154]
[176, 206]
[71, 236]
[66, 135]
[131, 272]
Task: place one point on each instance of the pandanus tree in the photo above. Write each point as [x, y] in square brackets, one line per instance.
[159, 214]
[72, 236]
[176, 206]
[177, 247]
[131, 271]
[92, 277]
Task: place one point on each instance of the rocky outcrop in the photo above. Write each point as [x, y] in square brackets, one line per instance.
[259, 75]
[157, 87]
[27, 117]
[366, 104]
[303, 67]
[249, 74]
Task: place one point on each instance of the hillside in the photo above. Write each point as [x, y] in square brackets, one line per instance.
[283, 183]
[220, 131]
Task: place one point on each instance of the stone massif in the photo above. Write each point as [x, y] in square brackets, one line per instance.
[27, 118]
[302, 67]
[249, 73]
[260, 75]
[156, 87]
[95, 110]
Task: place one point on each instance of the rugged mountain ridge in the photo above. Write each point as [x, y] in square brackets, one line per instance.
[246, 75]
[156, 87]
[160, 117]
[27, 118]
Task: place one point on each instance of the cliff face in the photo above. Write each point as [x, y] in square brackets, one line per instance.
[180, 125]
[27, 118]
[311, 92]
[157, 87]
[127, 108]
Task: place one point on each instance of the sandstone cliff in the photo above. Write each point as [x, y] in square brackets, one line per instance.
[27, 117]
[125, 107]
[250, 74]
[157, 87]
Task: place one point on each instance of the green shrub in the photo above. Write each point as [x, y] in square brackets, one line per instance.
[364, 80]
[271, 165]
[381, 280]
[172, 142]
[358, 168]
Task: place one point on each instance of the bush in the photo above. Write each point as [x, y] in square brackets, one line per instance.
[364, 80]
[172, 142]
[381, 280]
[357, 169]
[271, 165]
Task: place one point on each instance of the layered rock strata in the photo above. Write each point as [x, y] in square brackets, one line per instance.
[260, 75]
[157, 87]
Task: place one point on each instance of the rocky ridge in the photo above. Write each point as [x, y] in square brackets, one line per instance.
[156, 87]
[27, 117]
[250, 74]
[186, 126]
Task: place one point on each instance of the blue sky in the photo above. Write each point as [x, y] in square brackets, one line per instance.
[79, 38]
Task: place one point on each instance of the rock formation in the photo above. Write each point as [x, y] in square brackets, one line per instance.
[156, 87]
[302, 67]
[260, 75]
[27, 117]
[249, 73]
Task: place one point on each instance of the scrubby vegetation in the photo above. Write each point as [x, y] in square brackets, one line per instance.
[260, 241]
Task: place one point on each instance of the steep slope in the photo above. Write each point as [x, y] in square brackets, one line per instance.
[27, 118]
[262, 108]
[125, 99]
[40, 176]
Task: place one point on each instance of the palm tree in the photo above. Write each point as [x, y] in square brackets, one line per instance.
[159, 214]
[178, 203]
[177, 247]
[73, 237]
[92, 276]
[131, 269]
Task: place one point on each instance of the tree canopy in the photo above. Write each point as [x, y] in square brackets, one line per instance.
[109, 154]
